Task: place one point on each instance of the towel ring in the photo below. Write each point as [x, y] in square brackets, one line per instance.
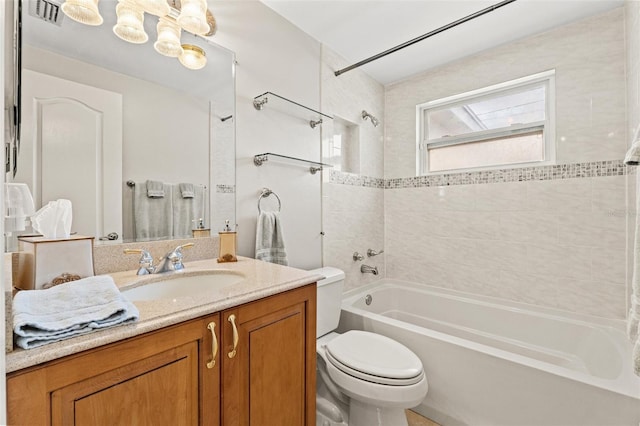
[265, 193]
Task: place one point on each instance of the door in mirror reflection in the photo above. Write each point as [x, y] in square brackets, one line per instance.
[76, 151]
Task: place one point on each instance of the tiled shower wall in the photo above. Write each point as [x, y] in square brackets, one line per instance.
[353, 205]
[552, 240]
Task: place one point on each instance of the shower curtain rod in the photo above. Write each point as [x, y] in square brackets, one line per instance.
[425, 36]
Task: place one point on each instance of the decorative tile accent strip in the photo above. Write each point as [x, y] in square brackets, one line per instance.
[559, 171]
[226, 189]
[355, 180]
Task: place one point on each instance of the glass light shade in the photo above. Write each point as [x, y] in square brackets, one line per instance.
[83, 11]
[130, 25]
[193, 16]
[193, 57]
[168, 43]
[155, 7]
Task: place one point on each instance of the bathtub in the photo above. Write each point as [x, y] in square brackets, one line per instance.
[494, 363]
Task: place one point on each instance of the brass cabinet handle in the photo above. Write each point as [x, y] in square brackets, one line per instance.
[232, 320]
[214, 344]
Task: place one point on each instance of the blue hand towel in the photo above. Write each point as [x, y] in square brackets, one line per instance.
[68, 310]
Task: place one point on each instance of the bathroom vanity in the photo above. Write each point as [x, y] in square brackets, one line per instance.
[247, 357]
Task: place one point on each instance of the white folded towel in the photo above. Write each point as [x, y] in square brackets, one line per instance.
[269, 241]
[187, 190]
[155, 189]
[68, 310]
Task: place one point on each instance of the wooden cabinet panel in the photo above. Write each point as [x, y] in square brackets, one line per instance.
[271, 378]
[157, 378]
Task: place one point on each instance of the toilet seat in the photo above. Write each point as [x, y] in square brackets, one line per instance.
[374, 358]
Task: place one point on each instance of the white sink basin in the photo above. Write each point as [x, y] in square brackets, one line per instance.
[173, 286]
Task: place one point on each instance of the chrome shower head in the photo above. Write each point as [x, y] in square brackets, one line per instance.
[374, 120]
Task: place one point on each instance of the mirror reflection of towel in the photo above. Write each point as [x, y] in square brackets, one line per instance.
[155, 189]
[186, 210]
[152, 216]
[187, 190]
[269, 241]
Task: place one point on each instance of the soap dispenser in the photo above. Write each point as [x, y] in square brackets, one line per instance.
[227, 244]
[200, 231]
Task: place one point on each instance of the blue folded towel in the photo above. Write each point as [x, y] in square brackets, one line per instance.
[155, 189]
[68, 310]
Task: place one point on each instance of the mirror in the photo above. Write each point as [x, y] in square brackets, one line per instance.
[140, 116]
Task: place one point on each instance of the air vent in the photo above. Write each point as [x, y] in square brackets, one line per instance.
[46, 10]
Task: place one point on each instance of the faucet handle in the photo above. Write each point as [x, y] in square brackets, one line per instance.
[146, 261]
[357, 256]
[175, 256]
[371, 252]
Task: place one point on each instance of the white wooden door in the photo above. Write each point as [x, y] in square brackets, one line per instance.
[72, 148]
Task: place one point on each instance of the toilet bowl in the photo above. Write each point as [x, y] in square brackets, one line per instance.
[364, 379]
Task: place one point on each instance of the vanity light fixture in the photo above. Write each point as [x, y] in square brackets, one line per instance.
[193, 57]
[193, 16]
[83, 11]
[168, 43]
[130, 25]
[173, 17]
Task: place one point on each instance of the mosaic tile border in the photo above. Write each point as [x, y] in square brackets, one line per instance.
[226, 189]
[355, 180]
[523, 174]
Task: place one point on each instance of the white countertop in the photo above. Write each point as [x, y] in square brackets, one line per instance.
[262, 279]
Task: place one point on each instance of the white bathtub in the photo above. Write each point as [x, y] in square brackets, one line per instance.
[491, 363]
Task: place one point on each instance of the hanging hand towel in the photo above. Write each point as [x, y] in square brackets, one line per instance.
[269, 241]
[153, 217]
[155, 189]
[187, 210]
[187, 190]
[68, 310]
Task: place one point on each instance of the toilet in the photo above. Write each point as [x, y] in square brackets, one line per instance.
[364, 379]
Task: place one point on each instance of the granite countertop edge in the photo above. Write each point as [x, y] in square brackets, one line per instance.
[261, 280]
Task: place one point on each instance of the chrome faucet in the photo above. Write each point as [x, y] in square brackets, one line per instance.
[366, 269]
[172, 261]
[146, 261]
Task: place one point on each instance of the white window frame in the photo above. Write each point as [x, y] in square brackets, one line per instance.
[547, 126]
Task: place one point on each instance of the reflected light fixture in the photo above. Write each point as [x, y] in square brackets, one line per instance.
[130, 25]
[168, 43]
[193, 16]
[155, 7]
[193, 57]
[83, 11]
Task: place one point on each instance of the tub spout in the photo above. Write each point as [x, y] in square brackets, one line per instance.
[366, 269]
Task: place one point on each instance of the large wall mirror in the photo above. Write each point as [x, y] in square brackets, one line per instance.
[101, 118]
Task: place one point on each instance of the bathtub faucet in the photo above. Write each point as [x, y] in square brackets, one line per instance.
[366, 269]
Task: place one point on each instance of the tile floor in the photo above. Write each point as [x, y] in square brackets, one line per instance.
[416, 419]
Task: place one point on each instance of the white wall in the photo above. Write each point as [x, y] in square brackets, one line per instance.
[275, 56]
[543, 239]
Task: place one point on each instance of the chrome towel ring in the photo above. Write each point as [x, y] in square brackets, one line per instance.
[264, 194]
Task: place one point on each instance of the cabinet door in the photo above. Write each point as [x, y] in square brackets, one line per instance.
[270, 380]
[159, 378]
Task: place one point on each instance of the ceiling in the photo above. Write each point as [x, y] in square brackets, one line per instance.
[358, 29]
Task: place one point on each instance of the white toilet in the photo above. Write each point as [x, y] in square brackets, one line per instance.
[364, 379]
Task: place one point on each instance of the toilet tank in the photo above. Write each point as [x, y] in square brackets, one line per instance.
[329, 299]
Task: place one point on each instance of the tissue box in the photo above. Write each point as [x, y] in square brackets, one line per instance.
[41, 260]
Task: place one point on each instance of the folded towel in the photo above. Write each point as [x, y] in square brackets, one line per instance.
[186, 210]
[153, 217]
[155, 189]
[186, 190]
[68, 310]
[269, 241]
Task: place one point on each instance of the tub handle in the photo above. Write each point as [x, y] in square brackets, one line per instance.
[232, 320]
[371, 252]
[214, 345]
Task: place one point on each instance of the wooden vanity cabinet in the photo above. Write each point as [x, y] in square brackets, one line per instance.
[157, 378]
[270, 380]
[166, 377]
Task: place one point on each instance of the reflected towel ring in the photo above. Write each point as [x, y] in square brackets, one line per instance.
[265, 193]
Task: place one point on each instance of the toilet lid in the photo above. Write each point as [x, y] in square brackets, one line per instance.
[375, 358]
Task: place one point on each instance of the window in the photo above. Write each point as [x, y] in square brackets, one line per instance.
[508, 124]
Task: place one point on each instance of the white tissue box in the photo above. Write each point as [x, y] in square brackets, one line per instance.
[41, 260]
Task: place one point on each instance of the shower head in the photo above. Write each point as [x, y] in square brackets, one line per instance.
[374, 120]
